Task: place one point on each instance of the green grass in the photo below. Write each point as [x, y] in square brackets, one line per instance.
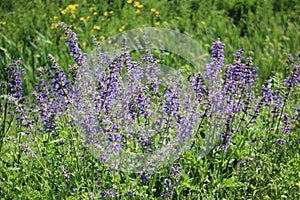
[267, 30]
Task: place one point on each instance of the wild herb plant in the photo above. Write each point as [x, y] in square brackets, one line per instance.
[44, 154]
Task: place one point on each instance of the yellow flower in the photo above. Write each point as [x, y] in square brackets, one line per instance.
[111, 12]
[137, 11]
[53, 26]
[97, 27]
[55, 17]
[156, 23]
[84, 44]
[152, 10]
[91, 9]
[105, 14]
[2, 23]
[136, 4]
[88, 17]
[129, 1]
[73, 16]
[140, 6]
[157, 13]
[81, 18]
[102, 37]
[95, 13]
[64, 11]
[122, 28]
[71, 8]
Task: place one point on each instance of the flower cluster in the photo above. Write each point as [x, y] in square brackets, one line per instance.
[123, 102]
[171, 180]
[238, 87]
[15, 92]
[15, 82]
[51, 96]
[77, 55]
[71, 9]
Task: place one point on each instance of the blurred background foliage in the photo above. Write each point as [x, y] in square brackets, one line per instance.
[266, 29]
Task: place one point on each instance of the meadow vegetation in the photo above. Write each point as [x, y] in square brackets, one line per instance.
[253, 48]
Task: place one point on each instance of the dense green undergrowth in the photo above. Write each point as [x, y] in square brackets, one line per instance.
[267, 29]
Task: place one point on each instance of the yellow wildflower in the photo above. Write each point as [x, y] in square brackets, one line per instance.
[97, 27]
[64, 11]
[81, 18]
[152, 10]
[122, 28]
[140, 6]
[156, 23]
[91, 9]
[137, 11]
[95, 13]
[53, 26]
[157, 13]
[111, 12]
[129, 1]
[136, 4]
[102, 37]
[70, 8]
[88, 17]
[55, 17]
[84, 44]
[105, 14]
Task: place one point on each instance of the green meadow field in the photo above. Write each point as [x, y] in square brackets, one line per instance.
[254, 48]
